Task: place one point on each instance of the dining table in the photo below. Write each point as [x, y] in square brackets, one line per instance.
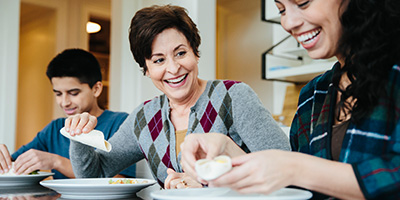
[38, 192]
[14, 188]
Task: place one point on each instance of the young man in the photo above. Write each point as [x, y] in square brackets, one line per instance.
[76, 78]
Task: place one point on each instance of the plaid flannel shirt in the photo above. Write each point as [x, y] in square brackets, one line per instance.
[371, 147]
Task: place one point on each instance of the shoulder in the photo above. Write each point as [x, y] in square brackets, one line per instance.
[230, 86]
[114, 114]
[54, 126]
[150, 105]
[320, 83]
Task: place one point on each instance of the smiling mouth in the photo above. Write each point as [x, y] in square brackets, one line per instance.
[177, 80]
[308, 37]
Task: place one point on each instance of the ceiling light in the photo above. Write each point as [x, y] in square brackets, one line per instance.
[92, 27]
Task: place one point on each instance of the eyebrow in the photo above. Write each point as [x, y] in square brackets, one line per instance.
[160, 54]
[71, 90]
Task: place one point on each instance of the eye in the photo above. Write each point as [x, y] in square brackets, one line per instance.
[303, 4]
[74, 93]
[280, 7]
[160, 60]
[57, 93]
[181, 53]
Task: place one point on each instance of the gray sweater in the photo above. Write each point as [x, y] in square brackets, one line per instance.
[227, 107]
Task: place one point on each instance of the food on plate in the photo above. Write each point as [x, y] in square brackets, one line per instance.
[212, 169]
[126, 181]
[94, 138]
[12, 173]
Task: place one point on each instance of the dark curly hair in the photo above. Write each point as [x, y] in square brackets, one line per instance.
[150, 21]
[370, 44]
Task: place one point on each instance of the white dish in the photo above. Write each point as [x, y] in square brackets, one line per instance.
[21, 180]
[95, 188]
[226, 193]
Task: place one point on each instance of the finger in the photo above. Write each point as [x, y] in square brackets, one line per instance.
[240, 160]
[230, 178]
[90, 125]
[170, 177]
[74, 123]
[27, 166]
[67, 124]
[80, 121]
[5, 159]
[175, 184]
[181, 185]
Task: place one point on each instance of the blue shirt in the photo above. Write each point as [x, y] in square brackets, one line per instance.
[50, 139]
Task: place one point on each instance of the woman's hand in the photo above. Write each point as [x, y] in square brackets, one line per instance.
[80, 123]
[206, 146]
[177, 180]
[259, 172]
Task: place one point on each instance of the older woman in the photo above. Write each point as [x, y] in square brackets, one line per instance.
[164, 42]
[346, 131]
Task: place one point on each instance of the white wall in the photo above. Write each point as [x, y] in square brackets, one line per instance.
[9, 21]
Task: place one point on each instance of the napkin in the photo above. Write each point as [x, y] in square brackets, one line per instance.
[94, 138]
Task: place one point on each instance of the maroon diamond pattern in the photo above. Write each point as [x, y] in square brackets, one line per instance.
[166, 159]
[229, 83]
[208, 118]
[155, 125]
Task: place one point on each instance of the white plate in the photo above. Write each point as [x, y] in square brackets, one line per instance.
[226, 193]
[95, 188]
[20, 180]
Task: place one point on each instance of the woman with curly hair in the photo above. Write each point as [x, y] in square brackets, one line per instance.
[345, 136]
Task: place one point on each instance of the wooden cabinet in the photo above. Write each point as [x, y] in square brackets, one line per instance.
[99, 46]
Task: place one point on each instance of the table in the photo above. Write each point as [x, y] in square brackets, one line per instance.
[38, 192]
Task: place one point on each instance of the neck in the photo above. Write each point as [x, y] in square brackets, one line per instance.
[182, 106]
[96, 111]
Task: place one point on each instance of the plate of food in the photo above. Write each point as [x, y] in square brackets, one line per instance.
[226, 193]
[97, 188]
[11, 180]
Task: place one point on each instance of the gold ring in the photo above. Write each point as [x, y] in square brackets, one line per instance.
[183, 182]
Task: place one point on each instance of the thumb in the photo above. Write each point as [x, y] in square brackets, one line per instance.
[170, 171]
[240, 160]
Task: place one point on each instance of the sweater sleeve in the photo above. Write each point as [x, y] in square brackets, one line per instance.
[87, 162]
[253, 122]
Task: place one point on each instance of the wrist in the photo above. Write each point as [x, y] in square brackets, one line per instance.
[232, 149]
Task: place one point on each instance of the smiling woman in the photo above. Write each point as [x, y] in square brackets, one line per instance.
[164, 42]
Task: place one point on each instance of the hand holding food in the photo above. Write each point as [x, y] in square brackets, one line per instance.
[206, 146]
[80, 123]
[211, 169]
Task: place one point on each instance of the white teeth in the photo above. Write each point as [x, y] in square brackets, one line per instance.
[177, 80]
[307, 38]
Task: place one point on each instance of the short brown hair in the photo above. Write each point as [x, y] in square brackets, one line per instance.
[150, 21]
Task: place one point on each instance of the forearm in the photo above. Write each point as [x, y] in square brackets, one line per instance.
[64, 166]
[328, 177]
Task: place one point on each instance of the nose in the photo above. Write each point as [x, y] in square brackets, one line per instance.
[291, 20]
[65, 101]
[173, 66]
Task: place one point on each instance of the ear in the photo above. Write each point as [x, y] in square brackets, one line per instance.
[97, 88]
[148, 74]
